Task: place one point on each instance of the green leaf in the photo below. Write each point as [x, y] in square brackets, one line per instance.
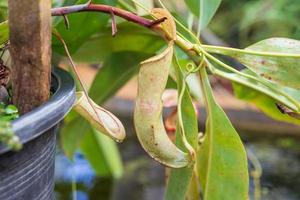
[3, 10]
[72, 133]
[130, 37]
[11, 109]
[4, 32]
[223, 170]
[102, 153]
[99, 150]
[3, 3]
[149, 4]
[290, 98]
[276, 59]
[204, 10]
[118, 69]
[8, 137]
[180, 179]
[266, 103]
[82, 26]
[8, 113]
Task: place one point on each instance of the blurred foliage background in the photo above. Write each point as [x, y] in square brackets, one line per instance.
[244, 22]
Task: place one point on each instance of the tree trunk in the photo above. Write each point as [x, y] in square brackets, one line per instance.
[30, 49]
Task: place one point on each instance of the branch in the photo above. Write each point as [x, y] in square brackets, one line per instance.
[90, 7]
[186, 46]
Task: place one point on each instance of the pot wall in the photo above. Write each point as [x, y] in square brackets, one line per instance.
[28, 174]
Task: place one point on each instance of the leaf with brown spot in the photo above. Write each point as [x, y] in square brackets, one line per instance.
[266, 99]
[276, 59]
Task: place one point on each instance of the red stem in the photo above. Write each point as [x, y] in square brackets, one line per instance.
[61, 11]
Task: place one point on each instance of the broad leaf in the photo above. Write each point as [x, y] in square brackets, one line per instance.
[149, 4]
[4, 32]
[102, 153]
[72, 133]
[3, 10]
[82, 26]
[204, 10]
[264, 102]
[222, 160]
[276, 59]
[118, 69]
[130, 37]
[180, 179]
[3, 4]
[291, 98]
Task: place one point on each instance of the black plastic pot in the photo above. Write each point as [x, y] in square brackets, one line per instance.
[29, 174]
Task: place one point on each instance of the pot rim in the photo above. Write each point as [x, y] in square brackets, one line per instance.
[34, 123]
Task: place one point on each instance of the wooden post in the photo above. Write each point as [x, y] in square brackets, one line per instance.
[30, 48]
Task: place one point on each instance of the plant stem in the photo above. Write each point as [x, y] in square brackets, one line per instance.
[185, 45]
[234, 51]
[90, 7]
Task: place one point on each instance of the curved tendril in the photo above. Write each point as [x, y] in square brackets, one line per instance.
[180, 121]
[192, 68]
[179, 112]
